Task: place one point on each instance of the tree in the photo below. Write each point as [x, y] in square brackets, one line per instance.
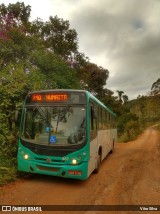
[108, 98]
[14, 85]
[13, 15]
[27, 49]
[93, 78]
[26, 64]
[120, 95]
[155, 89]
[125, 98]
[78, 61]
[57, 73]
[56, 35]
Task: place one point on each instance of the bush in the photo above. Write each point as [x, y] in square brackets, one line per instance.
[8, 152]
[7, 174]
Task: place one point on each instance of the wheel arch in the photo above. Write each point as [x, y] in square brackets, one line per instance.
[100, 151]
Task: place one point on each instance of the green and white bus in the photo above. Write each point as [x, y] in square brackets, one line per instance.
[65, 133]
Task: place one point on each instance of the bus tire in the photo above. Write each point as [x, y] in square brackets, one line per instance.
[98, 164]
[112, 148]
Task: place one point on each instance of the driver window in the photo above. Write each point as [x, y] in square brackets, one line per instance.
[93, 119]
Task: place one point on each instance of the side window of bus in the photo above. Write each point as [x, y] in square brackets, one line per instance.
[106, 120]
[99, 119]
[102, 119]
[93, 116]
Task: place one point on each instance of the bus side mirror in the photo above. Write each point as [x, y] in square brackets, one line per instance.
[18, 114]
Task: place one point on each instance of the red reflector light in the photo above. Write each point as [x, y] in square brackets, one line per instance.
[74, 172]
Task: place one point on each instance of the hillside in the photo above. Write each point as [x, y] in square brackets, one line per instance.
[146, 108]
[137, 115]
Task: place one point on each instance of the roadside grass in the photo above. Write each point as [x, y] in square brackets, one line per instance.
[157, 127]
[8, 170]
[130, 135]
[7, 174]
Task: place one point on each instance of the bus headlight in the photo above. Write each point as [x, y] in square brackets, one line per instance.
[26, 156]
[74, 161]
[77, 158]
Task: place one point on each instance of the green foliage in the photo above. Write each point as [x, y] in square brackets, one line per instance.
[7, 174]
[157, 127]
[14, 14]
[120, 95]
[128, 126]
[56, 35]
[27, 63]
[60, 37]
[57, 72]
[147, 109]
[137, 115]
[8, 150]
[93, 78]
[155, 89]
[131, 130]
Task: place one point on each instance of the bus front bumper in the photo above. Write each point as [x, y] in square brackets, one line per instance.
[68, 171]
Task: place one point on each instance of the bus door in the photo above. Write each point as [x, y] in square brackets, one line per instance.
[93, 137]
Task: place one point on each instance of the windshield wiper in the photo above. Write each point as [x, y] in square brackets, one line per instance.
[62, 115]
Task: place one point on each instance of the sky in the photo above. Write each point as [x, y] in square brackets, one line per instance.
[122, 36]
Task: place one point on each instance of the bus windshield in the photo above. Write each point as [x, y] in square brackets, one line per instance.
[54, 125]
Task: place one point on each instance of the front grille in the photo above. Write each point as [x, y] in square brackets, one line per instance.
[49, 169]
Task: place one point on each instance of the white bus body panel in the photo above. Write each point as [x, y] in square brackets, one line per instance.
[104, 139]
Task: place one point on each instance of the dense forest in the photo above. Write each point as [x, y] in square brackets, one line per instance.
[37, 55]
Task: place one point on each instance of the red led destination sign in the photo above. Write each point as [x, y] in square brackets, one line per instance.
[49, 97]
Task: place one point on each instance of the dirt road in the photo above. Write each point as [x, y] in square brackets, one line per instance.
[129, 176]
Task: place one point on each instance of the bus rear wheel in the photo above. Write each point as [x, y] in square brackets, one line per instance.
[98, 164]
[112, 147]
